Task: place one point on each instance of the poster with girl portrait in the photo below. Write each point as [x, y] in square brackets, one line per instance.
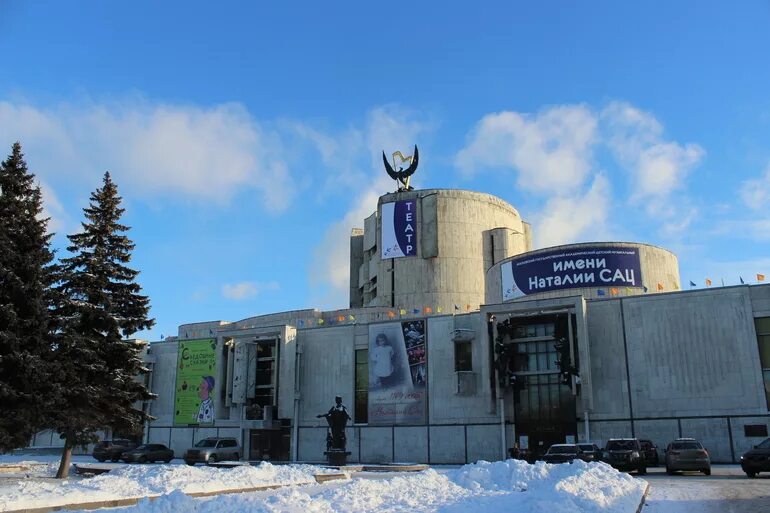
[397, 373]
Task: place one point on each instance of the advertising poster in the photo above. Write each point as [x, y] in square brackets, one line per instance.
[399, 229]
[571, 268]
[195, 381]
[398, 373]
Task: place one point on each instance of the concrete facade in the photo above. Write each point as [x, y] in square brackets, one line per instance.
[655, 365]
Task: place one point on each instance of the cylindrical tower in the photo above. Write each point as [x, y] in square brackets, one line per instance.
[591, 269]
[431, 248]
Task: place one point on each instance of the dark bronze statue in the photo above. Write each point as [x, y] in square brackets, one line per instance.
[402, 175]
[337, 417]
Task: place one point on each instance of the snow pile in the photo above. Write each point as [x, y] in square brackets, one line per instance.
[500, 487]
[151, 480]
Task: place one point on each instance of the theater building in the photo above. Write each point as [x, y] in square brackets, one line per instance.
[460, 341]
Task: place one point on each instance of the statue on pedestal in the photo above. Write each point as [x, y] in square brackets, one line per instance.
[337, 417]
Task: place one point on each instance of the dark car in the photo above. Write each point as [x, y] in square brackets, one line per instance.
[687, 454]
[148, 452]
[591, 452]
[650, 451]
[112, 449]
[562, 453]
[625, 454]
[757, 460]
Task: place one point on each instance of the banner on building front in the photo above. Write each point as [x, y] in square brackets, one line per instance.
[399, 229]
[601, 266]
[398, 373]
[195, 380]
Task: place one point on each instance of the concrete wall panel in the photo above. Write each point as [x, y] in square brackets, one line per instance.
[484, 443]
[446, 444]
[411, 444]
[376, 445]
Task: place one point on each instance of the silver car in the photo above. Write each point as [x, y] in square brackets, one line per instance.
[211, 450]
[687, 454]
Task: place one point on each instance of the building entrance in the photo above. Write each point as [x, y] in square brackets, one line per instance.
[543, 401]
[269, 444]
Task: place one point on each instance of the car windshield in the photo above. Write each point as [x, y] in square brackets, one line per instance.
[206, 443]
[562, 449]
[621, 445]
[683, 446]
[765, 444]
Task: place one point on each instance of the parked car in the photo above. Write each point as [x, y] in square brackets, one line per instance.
[687, 454]
[591, 452]
[757, 459]
[625, 454]
[148, 452]
[210, 450]
[650, 451]
[562, 453]
[112, 449]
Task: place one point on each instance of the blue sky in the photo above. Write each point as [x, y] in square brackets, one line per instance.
[245, 138]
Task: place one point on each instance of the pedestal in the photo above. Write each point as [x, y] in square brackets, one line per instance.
[337, 458]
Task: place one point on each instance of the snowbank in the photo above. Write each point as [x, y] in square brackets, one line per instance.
[150, 480]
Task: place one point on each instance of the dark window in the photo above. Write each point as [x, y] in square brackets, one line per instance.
[759, 430]
[463, 356]
[762, 325]
[361, 413]
[265, 373]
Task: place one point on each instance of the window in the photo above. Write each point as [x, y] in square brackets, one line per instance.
[463, 356]
[361, 414]
[755, 430]
[264, 379]
[763, 339]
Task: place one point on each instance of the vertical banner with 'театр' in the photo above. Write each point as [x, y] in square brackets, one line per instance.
[399, 229]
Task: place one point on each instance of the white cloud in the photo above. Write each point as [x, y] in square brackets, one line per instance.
[658, 167]
[53, 209]
[388, 128]
[756, 193]
[177, 151]
[246, 289]
[550, 150]
[566, 219]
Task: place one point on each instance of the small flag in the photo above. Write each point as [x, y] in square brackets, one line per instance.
[742, 282]
[708, 282]
[415, 310]
[614, 291]
[439, 309]
[760, 277]
[320, 321]
[391, 314]
[692, 283]
[402, 312]
[660, 286]
[601, 292]
[457, 307]
[645, 289]
[428, 309]
[352, 317]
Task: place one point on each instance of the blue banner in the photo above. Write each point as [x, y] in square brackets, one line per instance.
[570, 268]
[399, 229]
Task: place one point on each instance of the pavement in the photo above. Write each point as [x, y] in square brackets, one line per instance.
[726, 490]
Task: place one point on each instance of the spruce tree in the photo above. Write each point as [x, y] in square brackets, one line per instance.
[101, 305]
[26, 389]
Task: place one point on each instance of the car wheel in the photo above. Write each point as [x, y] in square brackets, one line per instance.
[707, 471]
[142, 459]
[642, 471]
[236, 456]
[100, 460]
[212, 459]
[669, 471]
[751, 475]
[115, 459]
[191, 463]
[167, 460]
[152, 461]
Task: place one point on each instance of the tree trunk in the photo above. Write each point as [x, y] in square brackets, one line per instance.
[66, 457]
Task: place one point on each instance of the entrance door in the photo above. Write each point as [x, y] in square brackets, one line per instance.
[269, 444]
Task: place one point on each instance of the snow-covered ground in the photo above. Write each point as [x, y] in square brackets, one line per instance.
[483, 487]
